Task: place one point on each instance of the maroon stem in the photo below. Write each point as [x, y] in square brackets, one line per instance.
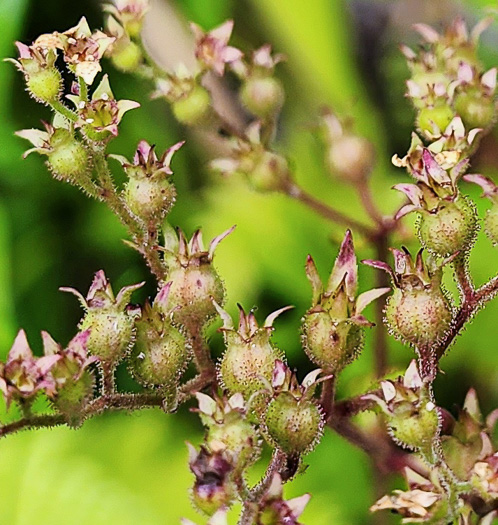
[470, 305]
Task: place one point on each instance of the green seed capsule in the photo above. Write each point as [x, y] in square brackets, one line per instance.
[331, 345]
[194, 108]
[262, 96]
[450, 229]
[418, 317]
[476, 110]
[491, 224]
[441, 116]
[294, 425]
[150, 198]
[44, 85]
[127, 57]
[69, 158]
[416, 431]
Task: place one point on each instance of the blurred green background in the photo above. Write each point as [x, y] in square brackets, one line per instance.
[132, 469]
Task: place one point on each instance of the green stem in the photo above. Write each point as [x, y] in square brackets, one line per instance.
[58, 106]
[83, 89]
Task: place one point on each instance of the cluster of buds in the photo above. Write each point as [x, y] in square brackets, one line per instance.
[194, 280]
[149, 193]
[293, 421]
[447, 79]
[412, 417]
[249, 359]
[418, 312]
[62, 374]
[349, 156]
[110, 320]
[448, 219]
[490, 190]
[264, 169]
[124, 23]
[333, 328]
[161, 352]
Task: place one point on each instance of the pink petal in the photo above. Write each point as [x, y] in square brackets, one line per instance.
[50, 347]
[380, 265]
[488, 186]
[162, 297]
[222, 32]
[231, 54]
[168, 155]
[412, 191]
[214, 243]
[405, 210]
[271, 318]
[412, 377]
[314, 279]
[488, 80]
[124, 295]
[365, 298]
[20, 348]
[465, 73]
[297, 505]
[279, 374]
[24, 50]
[427, 32]
[345, 265]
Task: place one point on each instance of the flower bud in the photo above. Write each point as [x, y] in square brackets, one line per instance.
[161, 353]
[126, 56]
[67, 157]
[74, 383]
[432, 120]
[293, 421]
[263, 97]
[108, 320]
[149, 193]
[43, 80]
[450, 228]
[349, 156]
[333, 328]
[194, 281]
[213, 487]
[268, 172]
[413, 419]
[229, 430]
[418, 312]
[249, 359]
[274, 510]
[193, 108]
[476, 111]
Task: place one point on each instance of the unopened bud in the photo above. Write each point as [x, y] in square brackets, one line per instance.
[269, 172]
[263, 97]
[193, 108]
[351, 157]
[476, 110]
[433, 120]
[126, 56]
[491, 224]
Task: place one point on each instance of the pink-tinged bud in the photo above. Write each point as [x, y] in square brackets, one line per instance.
[263, 97]
[491, 192]
[333, 328]
[213, 487]
[274, 510]
[349, 156]
[74, 382]
[67, 157]
[194, 107]
[107, 318]
[23, 375]
[43, 80]
[194, 280]
[229, 430]
[149, 193]
[129, 14]
[161, 352]
[412, 417]
[418, 312]
[265, 170]
[212, 49]
[293, 421]
[249, 359]
[470, 440]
